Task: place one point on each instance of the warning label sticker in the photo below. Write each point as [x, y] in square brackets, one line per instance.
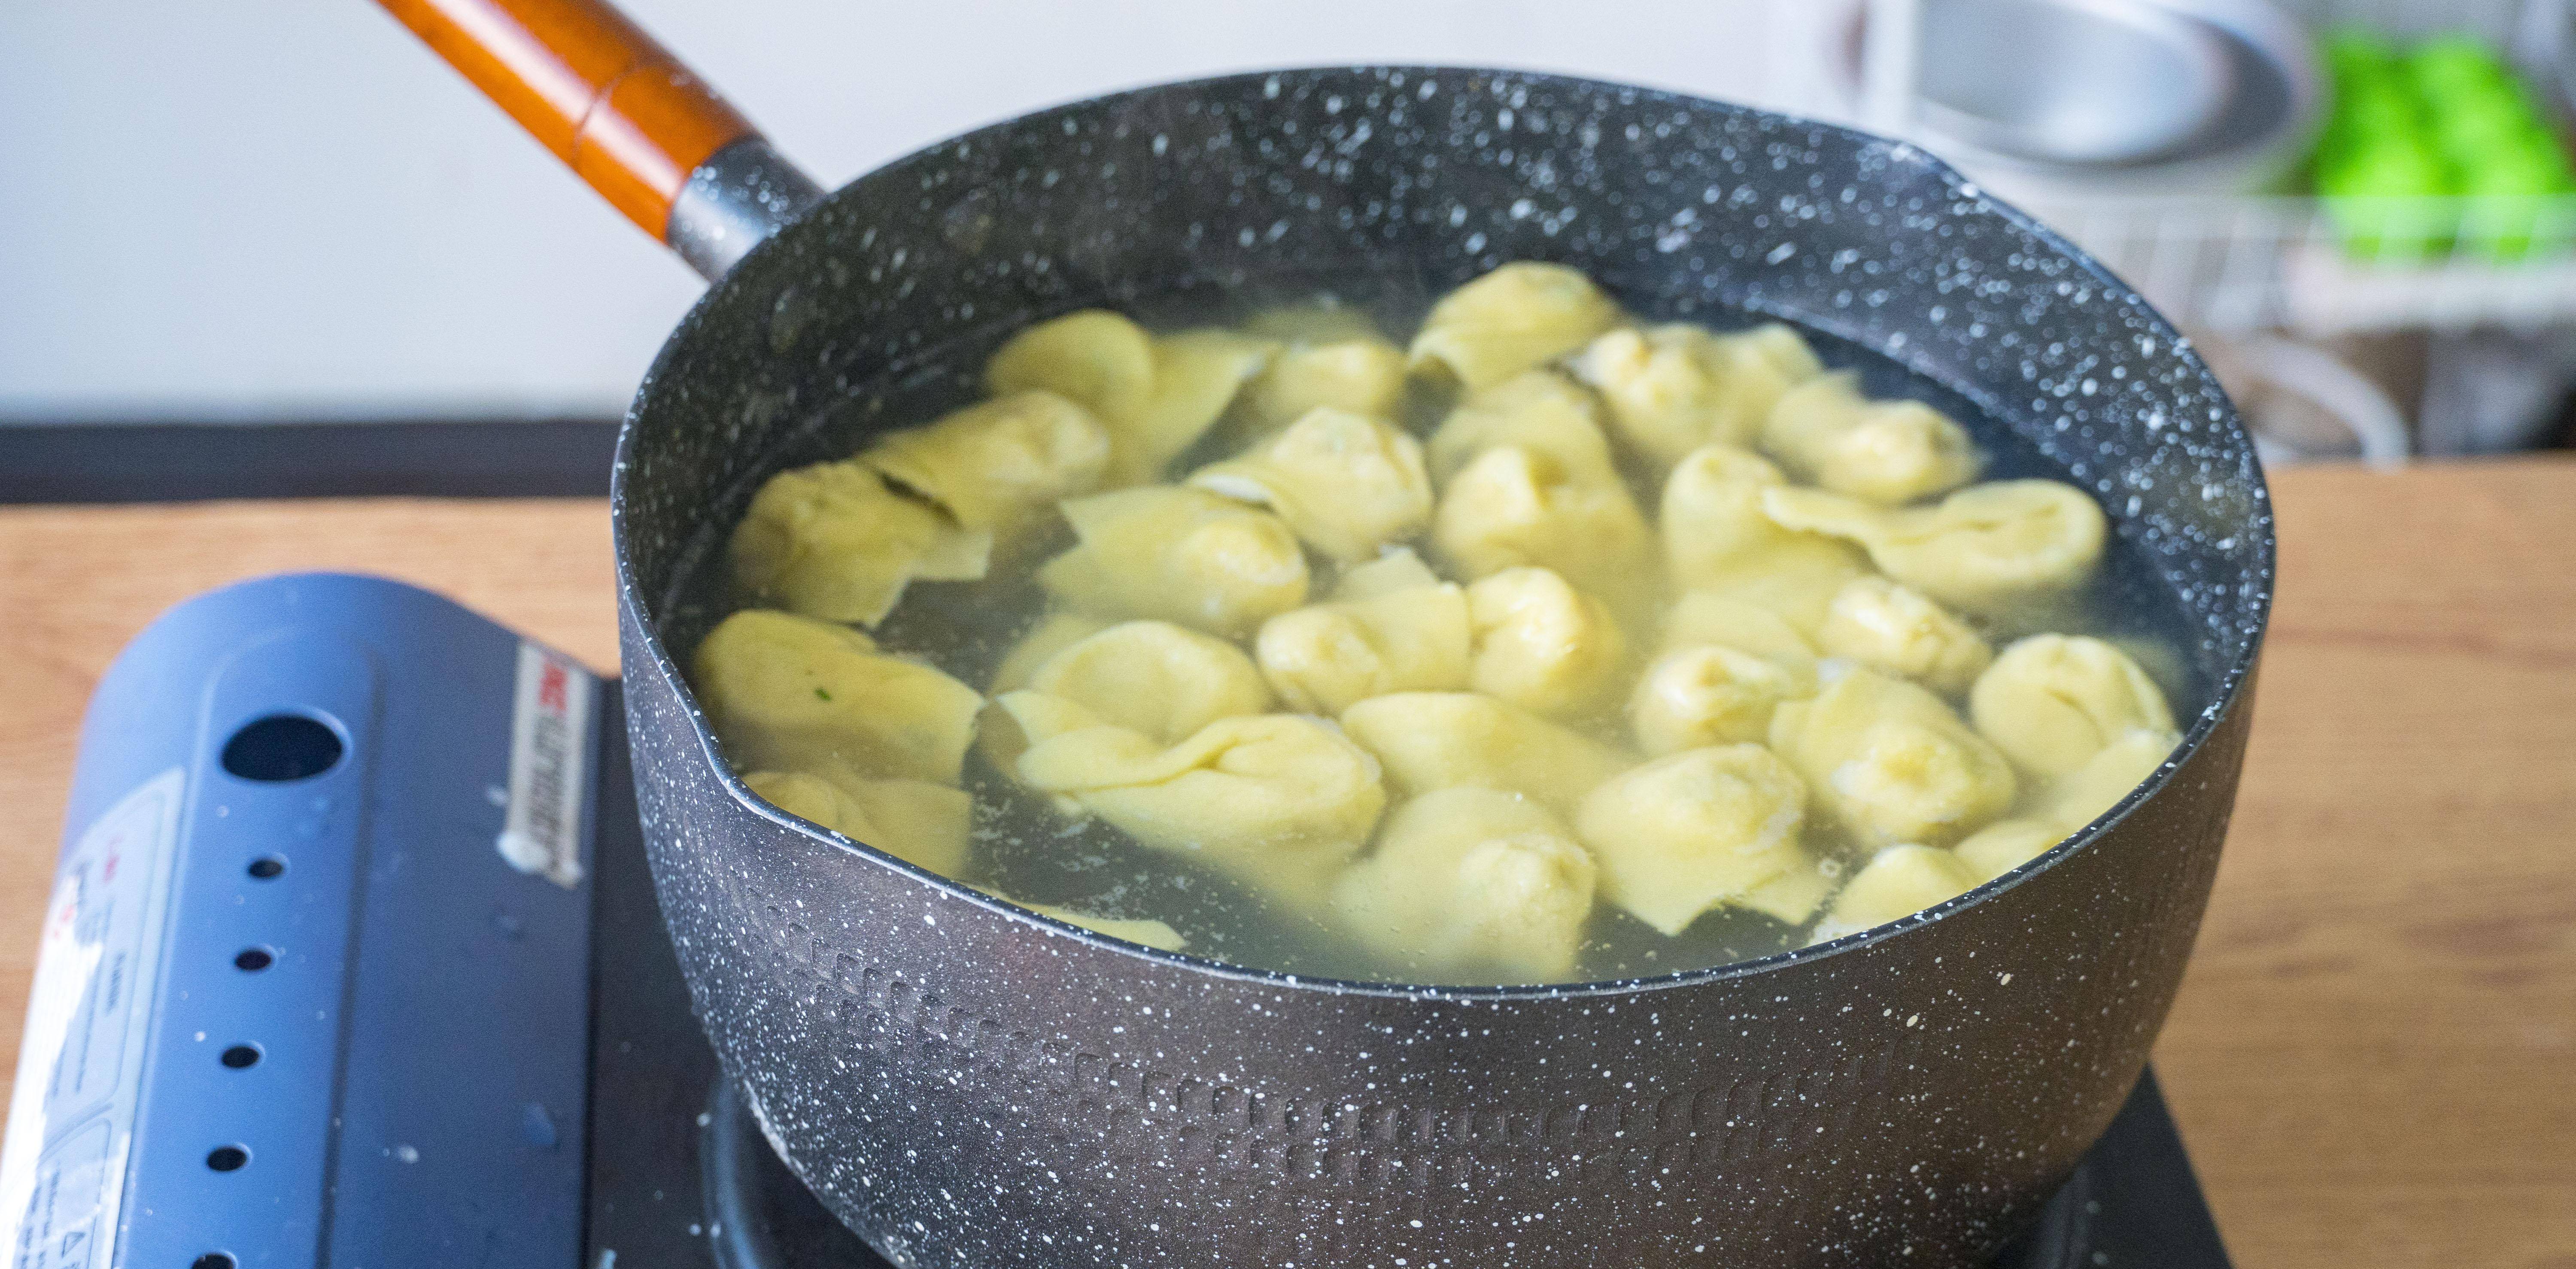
[549, 766]
[80, 1068]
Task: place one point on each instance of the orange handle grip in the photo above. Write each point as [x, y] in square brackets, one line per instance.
[612, 103]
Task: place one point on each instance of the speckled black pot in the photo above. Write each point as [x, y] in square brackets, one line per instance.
[967, 1084]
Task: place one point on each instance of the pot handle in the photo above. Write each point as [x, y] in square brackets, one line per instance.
[656, 141]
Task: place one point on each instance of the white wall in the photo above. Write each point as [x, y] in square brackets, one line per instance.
[287, 208]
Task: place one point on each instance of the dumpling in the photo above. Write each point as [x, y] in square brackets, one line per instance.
[1052, 634]
[1176, 554]
[1327, 320]
[2004, 845]
[1982, 548]
[1155, 677]
[995, 465]
[1279, 801]
[1540, 412]
[1887, 452]
[1441, 740]
[1156, 396]
[1543, 645]
[1362, 374]
[2069, 803]
[1891, 762]
[1513, 507]
[1701, 616]
[1515, 318]
[2052, 701]
[1471, 885]
[995, 735]
[1896, 883]
[2081, 796]
[1710, 694]
[1346, 483]
[1687, 833]
[1197, 374]
[1717, 539]
[1392, 626]
[791, 693]
[918, 822]
[1158, 935]
[1676, 387]
[1094, 357]
[1397, 570]
[833, 541]
[1897, 629]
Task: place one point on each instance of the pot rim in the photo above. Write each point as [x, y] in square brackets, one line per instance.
[2227, 697]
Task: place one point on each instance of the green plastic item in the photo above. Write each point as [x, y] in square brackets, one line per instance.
[2434, 149]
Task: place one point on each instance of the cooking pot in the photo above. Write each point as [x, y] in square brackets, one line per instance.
[967, 1083]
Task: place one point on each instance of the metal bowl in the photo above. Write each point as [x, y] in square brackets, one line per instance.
[2057, 101]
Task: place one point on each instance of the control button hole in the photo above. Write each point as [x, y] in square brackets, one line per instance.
[283, 747]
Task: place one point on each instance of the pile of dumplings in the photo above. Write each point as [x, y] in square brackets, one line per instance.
[1650, 620]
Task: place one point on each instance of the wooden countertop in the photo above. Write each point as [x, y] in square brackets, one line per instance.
[2374, 1055]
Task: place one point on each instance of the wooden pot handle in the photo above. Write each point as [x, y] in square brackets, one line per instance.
[610, 102]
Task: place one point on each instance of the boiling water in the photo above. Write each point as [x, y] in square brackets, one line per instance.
[1024, 848]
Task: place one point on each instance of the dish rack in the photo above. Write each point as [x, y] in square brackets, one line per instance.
[2267, 280]
[2240, 265]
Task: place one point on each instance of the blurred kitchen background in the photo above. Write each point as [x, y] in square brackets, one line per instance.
[281, 210]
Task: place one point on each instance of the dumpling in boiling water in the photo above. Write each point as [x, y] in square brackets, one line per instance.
[1897, 882]
[1442, 740]
[1182, 555]
[2081, 796]
[1543, 645]
[1513, 507]
[1900, 630]
[1157, 396]
[1392, 626]
[2004, 845]
[2052, 701]
[918, 822]
[1710, 694]
[995, 734]
[1197, 374]
[1279, 801]
[1726, 665]
[1362, 374]
[1346, 483]
[1705, 827]
[1515, 318]
[2069, 803]
[1094, 358]
[790, 693]
[1983, 548]
[1892, 762]
[1158, 935]
[1676, 387]
[995, 465]
[1717, 539]
[833, 541]
[1471, 885]
[1326, 320]
[1155, 677]
[1540, 412]
[1887, 452]
[1052, 634]
[1701, 616]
